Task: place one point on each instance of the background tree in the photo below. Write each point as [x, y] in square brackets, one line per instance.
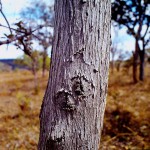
[134, 15]
[37, 26]
[74, 103]
[40, 14]
[34, 64]
[113, 54]
[114, 48]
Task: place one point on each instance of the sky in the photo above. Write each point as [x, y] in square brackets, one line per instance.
[12, 8]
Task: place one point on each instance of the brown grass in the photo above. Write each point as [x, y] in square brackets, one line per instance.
[126, 123]
[127, 116]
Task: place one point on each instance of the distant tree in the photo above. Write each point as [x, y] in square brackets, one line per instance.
[22, 35]
[114, 48]
[135, 16]
[39, 14]
[112, 61]
[73, 108]
[33, 63]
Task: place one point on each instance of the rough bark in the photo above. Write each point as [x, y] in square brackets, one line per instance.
[74, 103]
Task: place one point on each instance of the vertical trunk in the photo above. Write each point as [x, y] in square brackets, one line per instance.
[34, 71]
[135, 61]
[74, 103]
[142, 56]
[118, 65]
[44, 62]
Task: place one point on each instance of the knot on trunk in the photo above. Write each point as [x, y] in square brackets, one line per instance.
[65, 100]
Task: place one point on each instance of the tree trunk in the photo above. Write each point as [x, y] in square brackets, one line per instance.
[118, 65]
[142, 56]
[135, 61]
[34, 71]
[44, 61]
[74, 103]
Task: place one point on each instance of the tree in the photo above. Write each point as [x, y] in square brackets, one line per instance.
[113, 53]
[34, 64]
[31, 63]
[73, 107]
[39, 14]
[114, 49]
[133, 14]
[24, 34]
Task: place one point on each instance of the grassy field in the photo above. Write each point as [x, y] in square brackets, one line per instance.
[126, 123]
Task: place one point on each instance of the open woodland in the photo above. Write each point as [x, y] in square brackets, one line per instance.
[72, 111]
[127, 116]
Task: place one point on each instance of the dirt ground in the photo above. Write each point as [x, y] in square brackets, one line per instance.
[126, 122]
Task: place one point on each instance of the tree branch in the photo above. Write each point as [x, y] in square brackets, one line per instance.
[5, 17]
[12, 28]
[145, 31]
[10, 40]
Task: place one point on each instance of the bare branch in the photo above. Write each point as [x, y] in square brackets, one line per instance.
[5, 17]
[12, 28]
[8, 41]
[16, 37]
[145, 31]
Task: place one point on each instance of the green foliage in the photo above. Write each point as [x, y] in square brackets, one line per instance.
[24, 61]
[47, 62]
[27, 62]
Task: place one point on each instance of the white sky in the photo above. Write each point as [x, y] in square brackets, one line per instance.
[11, 8]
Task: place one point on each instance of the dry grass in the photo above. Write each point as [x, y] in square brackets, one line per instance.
[127, 117]
[19, 110]
[126, 124]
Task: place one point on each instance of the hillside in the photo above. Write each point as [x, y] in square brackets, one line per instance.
[126, 123]
[10, 64]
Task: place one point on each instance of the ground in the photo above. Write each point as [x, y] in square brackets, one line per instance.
[126, 122]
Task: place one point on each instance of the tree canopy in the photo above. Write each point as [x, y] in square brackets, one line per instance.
[134, 14]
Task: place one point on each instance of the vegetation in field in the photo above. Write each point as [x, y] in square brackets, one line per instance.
[126, 122]
[80, 66]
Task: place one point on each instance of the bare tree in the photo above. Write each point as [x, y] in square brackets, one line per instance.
[40, 14]
[74, 103]
[135, 16]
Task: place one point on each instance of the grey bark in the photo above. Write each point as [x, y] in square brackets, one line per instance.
[74, 103]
